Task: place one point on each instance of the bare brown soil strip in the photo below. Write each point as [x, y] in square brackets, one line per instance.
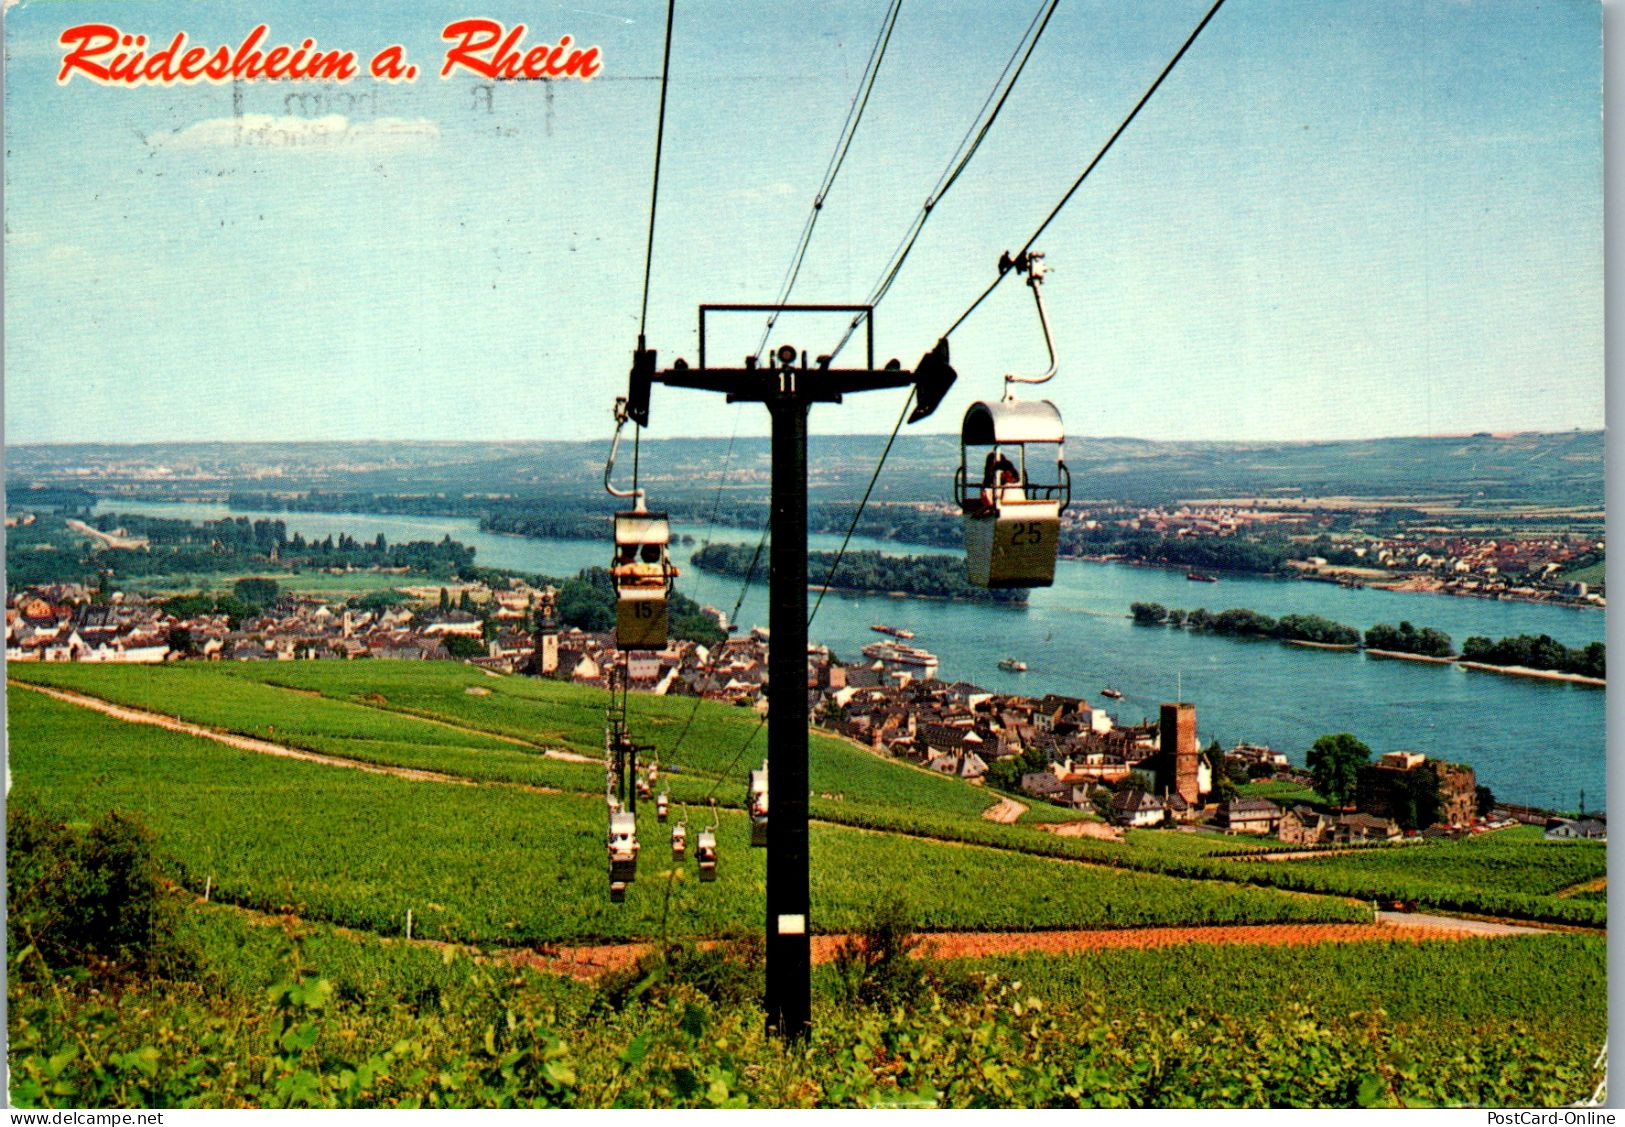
[1083, 828]
[249, 743]
[591, 961]
[1005, 811]
[1597, 884]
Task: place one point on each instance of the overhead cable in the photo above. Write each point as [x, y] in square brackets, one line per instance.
[1084, 175]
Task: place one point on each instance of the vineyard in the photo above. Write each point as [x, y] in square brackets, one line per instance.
[423, 715]
[514, 860]
[495, 864]
[302, 1016]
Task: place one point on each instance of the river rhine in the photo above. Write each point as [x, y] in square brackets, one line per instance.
[1530, 741]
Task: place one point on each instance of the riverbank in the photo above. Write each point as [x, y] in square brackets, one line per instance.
[1400, 655]
[866, 593]
[1537, 674]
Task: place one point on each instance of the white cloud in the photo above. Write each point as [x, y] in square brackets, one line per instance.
[762, 192]
[332, 133]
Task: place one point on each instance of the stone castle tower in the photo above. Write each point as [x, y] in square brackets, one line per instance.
[1178, 761]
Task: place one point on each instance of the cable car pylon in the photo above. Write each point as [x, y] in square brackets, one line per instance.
[787, 386]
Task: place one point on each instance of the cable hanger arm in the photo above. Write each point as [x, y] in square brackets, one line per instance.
[1031, 265]
[635, 493]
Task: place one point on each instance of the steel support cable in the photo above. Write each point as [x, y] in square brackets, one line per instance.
[849, 129]
[957, 163]
[1084, 175]
[1166, 70]
[837, 158]
[744, 588]
[654, 201]
[671, 877]
[654, 190]
[665, 907]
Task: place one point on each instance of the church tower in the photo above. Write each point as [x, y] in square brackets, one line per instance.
[547, 634]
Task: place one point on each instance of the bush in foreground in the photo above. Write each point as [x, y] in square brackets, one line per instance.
[83, 898]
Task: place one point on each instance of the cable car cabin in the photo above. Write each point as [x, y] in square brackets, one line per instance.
[756, 803]
[643, 574]
[662, 806]
[706, 853]
[623, 847]
[679, 841]
[1012, 500]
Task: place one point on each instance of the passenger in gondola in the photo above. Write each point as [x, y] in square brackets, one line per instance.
[999, 478]
[641, 568]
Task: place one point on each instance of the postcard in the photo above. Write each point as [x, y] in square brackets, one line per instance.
[874, 554]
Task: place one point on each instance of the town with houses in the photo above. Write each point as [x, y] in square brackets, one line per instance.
[1527, 568]
[1055, 749]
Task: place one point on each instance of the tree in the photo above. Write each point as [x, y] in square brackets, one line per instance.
[260, 592]
[1415, 800]
[1148, 614]
[461, 646]
[1334, 762]
[445, 599]
[1485, 800]
[587, 601]
[1005, 774]
[1224, 788]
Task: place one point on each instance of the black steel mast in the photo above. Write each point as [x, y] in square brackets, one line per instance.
[788, 388]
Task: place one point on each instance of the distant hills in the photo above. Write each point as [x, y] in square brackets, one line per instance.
[1489, 469]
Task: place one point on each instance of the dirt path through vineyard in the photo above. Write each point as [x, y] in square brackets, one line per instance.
[591, 961]
[249, 743]
[1005, 811]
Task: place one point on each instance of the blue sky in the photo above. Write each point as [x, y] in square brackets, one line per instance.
[1336, 219]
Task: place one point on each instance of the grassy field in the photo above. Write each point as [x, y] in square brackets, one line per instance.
[1595, 574]
[1283, 793]
[1517, 860]
[1560, 980]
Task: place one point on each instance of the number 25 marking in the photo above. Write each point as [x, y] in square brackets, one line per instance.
[1026, 532]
